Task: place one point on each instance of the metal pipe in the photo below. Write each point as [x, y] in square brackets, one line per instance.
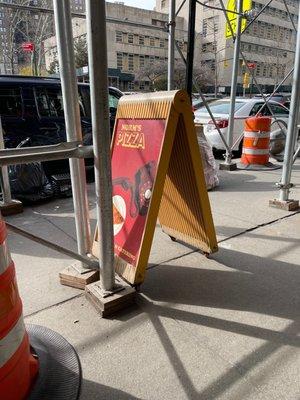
[275, 90]
[256, 16]
[64, 34]
[171, 44]
[289, 14]
[251, 72]
[204, 100]
[93, 264]
[234, 79]
[79, 15]
[296, 154]
[4, 179]
[180, 7]
[96, 34]
[292, 130]
[191, 45]
[45, 153]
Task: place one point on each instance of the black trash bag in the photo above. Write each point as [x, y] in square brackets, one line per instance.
[29, 182]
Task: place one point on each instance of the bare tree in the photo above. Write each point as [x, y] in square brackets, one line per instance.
[156, 74]
[27, 26]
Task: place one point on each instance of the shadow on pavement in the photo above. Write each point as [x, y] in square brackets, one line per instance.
[95, 391]
[251, 283]
[240, 182]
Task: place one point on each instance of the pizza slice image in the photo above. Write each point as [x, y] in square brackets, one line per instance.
[117, 217]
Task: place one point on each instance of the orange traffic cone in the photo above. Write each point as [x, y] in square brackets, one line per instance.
[18, 367]
[54, 373]
[256, 144]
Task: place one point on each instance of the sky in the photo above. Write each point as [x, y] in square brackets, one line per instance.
[147, 4]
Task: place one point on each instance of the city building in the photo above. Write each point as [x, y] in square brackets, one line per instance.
[18, 27]
[268, 45]
[136, 39]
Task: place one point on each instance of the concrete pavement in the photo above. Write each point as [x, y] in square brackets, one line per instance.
[227, 327]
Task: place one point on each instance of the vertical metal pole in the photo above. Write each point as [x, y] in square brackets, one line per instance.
[292, 130]
[171, 44]
[96, 34]
[191, 45]
[234, 78]
[4, 179]
[63, 28]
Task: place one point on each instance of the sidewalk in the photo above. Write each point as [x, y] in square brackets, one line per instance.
[227, 327]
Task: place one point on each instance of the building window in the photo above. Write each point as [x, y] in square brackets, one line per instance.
[119, 37]
[130, 62]
[163, 4]
[130, 38]
[120, 61]
[158, 22]
[142, 61]
[152, 41]
[142, 85]
[141, 40]
[162, 43]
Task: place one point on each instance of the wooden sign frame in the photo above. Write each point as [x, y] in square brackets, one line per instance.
[179, 196]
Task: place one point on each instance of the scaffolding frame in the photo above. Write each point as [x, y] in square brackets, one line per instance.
[74, 149]
[291, 151]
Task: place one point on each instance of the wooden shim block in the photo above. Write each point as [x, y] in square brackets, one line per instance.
[70, 276]
[15, 207]
[107, 306]
[289, 205]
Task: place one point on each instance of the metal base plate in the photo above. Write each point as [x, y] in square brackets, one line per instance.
[289, 205]
[227, 167]
[59, 375]
[258, 167]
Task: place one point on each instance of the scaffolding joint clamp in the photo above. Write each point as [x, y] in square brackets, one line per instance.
[282, 186]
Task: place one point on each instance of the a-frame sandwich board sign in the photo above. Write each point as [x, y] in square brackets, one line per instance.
[157, 172]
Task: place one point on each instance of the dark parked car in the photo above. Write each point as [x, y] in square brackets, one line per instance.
[31, 108]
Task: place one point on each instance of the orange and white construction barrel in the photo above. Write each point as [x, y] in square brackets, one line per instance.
[54, 371]
[256, 144]
[18, 367]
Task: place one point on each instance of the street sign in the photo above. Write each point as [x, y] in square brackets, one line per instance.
[232, 6]
[251, 65]
[156, 172]
[28, 47]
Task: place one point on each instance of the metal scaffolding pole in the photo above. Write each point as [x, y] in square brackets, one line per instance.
[204, 100]
[292, 131]
[191, 45]
[63, 28]
[4, 179]
[234, 78]
[251, 73]
[96, 33]
[171, 44]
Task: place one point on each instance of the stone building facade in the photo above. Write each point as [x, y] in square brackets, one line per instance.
[135, 38]
[269, 44]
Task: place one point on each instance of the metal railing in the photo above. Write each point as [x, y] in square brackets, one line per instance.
[292, 131]
[73, 148]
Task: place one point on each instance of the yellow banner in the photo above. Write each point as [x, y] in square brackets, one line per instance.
[232, 7]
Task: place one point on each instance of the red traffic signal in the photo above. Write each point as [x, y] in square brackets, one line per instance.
[28, 47]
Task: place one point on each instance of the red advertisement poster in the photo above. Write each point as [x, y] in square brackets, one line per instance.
[135, 157]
